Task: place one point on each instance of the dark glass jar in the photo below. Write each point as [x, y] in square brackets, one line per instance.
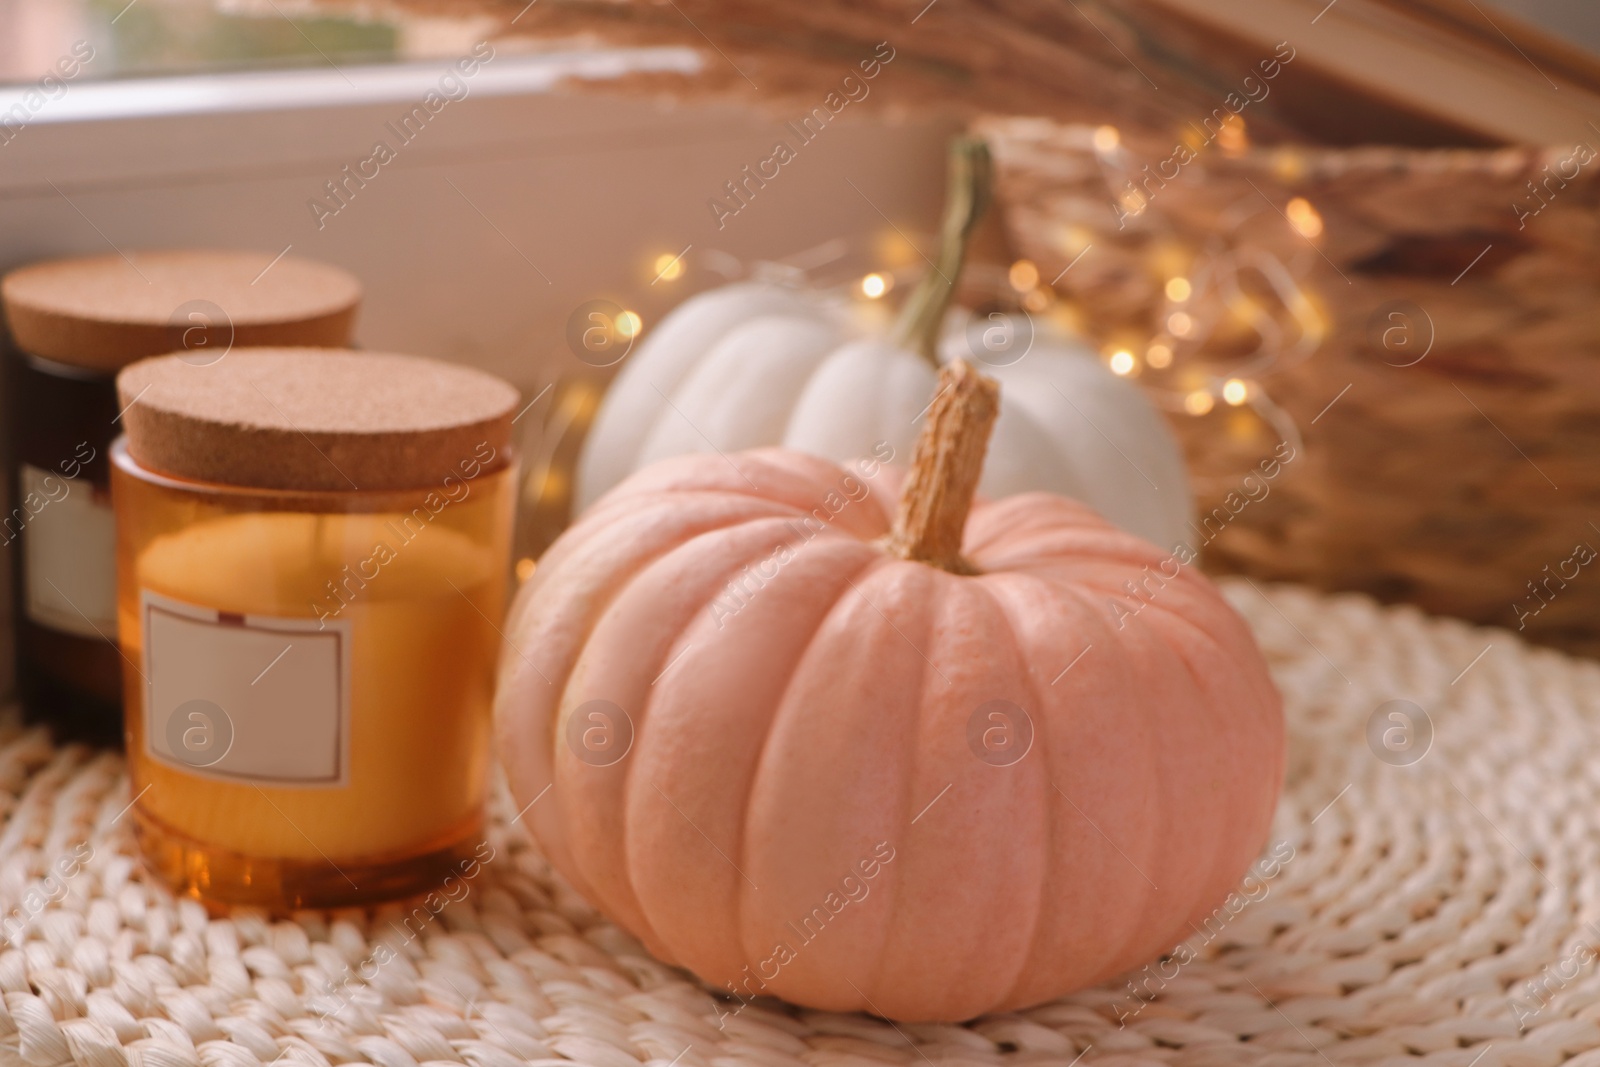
[62, 542]
[73, 325]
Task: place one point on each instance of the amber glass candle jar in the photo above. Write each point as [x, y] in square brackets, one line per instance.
[312, 559]
[73, 324]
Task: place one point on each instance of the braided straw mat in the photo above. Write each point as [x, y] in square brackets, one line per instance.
[1435, 897]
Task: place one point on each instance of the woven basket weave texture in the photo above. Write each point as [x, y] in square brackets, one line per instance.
[1414, 902]
[1456, 462]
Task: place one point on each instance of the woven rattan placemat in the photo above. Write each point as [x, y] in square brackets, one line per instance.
[1432, 894]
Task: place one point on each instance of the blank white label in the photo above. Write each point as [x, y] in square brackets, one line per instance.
[250, 698]
[69, 555]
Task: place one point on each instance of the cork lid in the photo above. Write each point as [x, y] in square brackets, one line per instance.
[307, 418]
[104, 312]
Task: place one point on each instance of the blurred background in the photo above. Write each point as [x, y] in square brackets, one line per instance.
[1363, 227]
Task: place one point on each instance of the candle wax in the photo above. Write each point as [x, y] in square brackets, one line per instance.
[421, 670]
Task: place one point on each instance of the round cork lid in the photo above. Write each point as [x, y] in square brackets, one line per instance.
[104, 312]
[309, 418]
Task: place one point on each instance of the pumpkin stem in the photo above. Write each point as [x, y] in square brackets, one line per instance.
[945, 470]
[967, 194]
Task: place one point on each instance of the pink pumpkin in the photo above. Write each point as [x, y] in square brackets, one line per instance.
[810, 750]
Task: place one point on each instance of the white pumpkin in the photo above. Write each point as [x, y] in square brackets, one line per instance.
[758, 363]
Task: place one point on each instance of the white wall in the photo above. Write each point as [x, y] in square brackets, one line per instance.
[589, 187]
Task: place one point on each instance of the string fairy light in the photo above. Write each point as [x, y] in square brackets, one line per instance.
[1233, 138]
[1215, 298]
[1023, 276]
[1303, 217]
[667, 267]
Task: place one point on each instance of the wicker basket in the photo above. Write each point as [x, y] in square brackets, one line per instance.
[1450, 416]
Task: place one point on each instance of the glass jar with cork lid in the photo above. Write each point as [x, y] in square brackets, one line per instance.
[313, 554]
[74, 323]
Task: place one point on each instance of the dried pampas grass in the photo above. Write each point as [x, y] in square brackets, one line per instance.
[1074, 60]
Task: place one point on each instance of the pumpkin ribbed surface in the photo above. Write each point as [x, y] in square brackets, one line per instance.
[1418, 904]
[819, 802]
